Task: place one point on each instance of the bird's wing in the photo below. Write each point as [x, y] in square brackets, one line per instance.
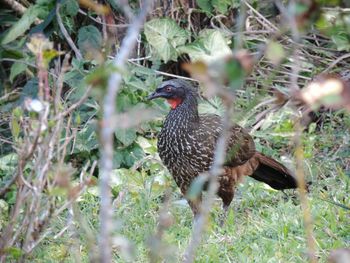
[240, 146]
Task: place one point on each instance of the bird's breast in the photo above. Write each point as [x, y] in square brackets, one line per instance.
[182, 153]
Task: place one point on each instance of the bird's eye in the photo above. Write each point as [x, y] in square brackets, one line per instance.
[168, 89]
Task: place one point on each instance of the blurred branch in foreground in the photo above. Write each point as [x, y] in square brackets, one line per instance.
[107, 132]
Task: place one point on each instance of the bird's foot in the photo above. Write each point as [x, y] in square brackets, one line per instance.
[223, 216]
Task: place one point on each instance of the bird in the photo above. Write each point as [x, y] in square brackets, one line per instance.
[187, 141]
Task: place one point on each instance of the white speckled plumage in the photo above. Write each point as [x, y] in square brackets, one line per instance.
[187, 141]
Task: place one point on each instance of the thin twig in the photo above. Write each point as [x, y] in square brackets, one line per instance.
[65, 33]
[335, 62]
[100, 22]
[308, 224]
[107, 133]
[164, 73]
[267, 22]
[311, 246]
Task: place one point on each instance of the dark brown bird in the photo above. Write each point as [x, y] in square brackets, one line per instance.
[187, 142]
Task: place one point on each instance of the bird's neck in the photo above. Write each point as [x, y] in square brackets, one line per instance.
[185, 114]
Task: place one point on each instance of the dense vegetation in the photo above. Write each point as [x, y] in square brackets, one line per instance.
[55, 64]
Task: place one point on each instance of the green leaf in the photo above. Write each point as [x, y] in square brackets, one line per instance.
[117, 159]
[74, 78]
[132, 154]
[86, 140]
[8, 163]
[89, 37]
[164, 36]
[16, 69]
[235, 74]
[126, 136]
[14, 252]
[30, 90]
[23, 24]
[342, 42]
[210, 45]
[221, 6]
[98, 77]
[70, 7]
[205, 5]
[124, 101]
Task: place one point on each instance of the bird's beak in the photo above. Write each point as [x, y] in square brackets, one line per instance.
[154, 95]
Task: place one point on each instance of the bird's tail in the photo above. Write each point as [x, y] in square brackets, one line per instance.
[273, 173]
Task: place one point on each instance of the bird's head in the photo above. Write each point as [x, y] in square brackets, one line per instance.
[175, 91]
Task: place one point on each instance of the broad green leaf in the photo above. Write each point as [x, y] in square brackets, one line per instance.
[8, 163]
[210, 45]
[86, 140]
[117, 159]
[70, 7]
[342, 41]
[74, 78]
[145, 144]
[205, 5]
[221, 6]
[23, 24]
[124, 101]
[165, 36]
[16, 69]
[30, 90]
[132, 154]
[126, 136]
[235, 74]
[89, 37]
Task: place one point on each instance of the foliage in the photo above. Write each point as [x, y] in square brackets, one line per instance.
[263, 225]
[165, 36]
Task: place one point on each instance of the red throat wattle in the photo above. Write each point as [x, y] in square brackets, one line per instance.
[174, 102]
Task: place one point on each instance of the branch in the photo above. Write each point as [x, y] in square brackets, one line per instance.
[305, 206]
[100, 22]
[164, 73]
[66, 35]
[107, 132]
[335, 62]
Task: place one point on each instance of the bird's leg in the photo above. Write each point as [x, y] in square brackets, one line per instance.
[194, 203]
[223, 215]
[226, 197]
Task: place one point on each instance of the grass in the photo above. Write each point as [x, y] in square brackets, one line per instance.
[263, 225]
